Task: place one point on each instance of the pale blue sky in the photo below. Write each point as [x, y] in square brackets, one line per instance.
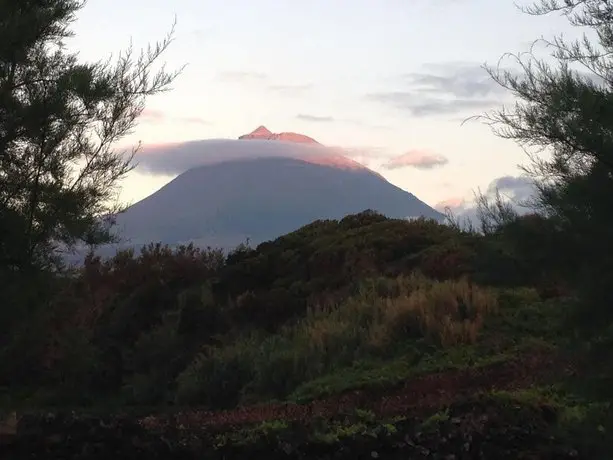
[380, 77]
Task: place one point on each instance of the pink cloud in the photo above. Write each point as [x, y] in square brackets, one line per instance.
[416, 159]
[452, 203]
[178, 157]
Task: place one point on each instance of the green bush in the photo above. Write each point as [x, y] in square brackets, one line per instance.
[216, 377]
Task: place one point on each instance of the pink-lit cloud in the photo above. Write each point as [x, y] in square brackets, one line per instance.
[416, 159]
[175, 158]
[450, 203]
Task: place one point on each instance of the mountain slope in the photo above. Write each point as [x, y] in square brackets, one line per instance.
[225, 203]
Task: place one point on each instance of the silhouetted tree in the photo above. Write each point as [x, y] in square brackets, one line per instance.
[564, 119]
[59, 121]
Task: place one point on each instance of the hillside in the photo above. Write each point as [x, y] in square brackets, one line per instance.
[361, 333]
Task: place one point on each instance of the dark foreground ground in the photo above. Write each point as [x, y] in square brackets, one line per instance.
[500, 411]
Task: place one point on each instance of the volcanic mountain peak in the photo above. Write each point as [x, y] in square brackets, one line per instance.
[263, 133]
[320, 155]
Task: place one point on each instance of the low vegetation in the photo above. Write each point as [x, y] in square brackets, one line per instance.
[395, 333]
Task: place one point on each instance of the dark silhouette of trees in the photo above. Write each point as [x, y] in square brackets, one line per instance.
[60, 119]
[563, 118]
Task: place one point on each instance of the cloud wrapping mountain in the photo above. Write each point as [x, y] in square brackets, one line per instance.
[173, 159]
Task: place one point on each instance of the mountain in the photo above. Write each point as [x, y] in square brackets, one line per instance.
[222, 204]
[263, 133]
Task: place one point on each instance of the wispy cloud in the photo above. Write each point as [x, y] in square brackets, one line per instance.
[443, 89]
[158, 116]
[416, 159]
[459, 79]
[315, 118]
[420, 106]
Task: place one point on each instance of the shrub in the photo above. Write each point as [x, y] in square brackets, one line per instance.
[217, 376]
[452, 312]
[157, 357]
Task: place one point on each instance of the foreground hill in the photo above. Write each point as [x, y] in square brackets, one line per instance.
[360, 338]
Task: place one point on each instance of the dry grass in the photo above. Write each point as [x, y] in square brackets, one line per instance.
[378, 320]
[449, 312]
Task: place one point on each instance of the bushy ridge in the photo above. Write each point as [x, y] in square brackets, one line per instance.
[195, 326]
[332, 317]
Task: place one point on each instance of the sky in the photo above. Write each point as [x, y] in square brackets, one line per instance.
[389, 81]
